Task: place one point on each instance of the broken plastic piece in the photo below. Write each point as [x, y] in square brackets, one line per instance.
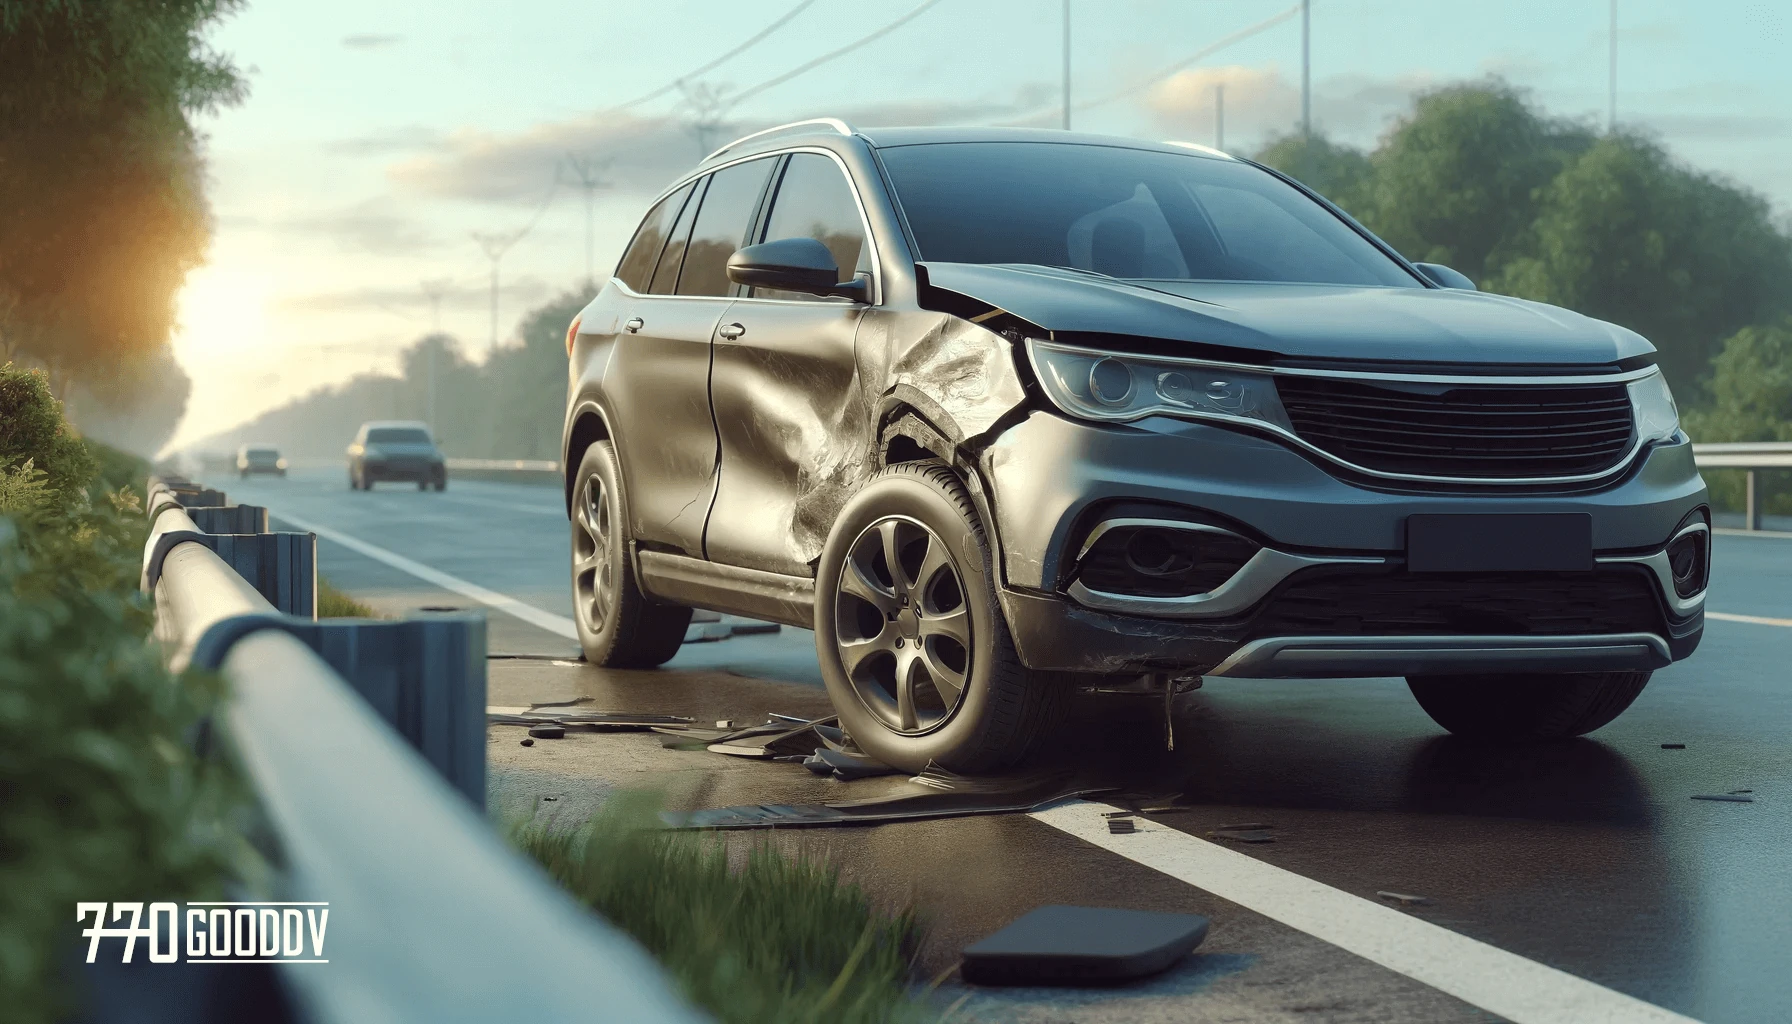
[1404, 898]
[1122, 826]
[546, 715]
[936, 795]
[1673, 746]
[1252, 827]
[1729, 798]
[547, 732]
[526, 742]
[845, 767]
[1242, 835]
[768, 742]
[1061, 945]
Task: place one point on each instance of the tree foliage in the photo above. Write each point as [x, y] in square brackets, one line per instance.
[102, 207]
[36, 432]
[1335, 171]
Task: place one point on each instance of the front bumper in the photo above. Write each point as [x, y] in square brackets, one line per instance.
[1329, 594]
[403, 469]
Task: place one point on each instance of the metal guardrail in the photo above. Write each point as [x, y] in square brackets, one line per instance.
[436, 919]
[1748, 455]
[506, 465]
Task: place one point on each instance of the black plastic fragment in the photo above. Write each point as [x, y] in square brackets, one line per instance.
[1060, 945]
[845, 767]
[933, 794]
[548, 732]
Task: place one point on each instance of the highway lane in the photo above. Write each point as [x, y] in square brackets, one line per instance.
[1588, 857]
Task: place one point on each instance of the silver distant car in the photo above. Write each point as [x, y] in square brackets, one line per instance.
[395, 450]
[259, 458]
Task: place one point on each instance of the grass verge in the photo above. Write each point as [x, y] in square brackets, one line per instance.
[769, 938]
[334, 604]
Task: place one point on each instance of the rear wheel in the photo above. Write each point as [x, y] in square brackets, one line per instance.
[1544, 706]
[913, 646]
[423, 485]
[618, 625]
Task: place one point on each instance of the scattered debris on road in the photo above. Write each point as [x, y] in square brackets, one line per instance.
[559, 713]
[526, 742]
[1122, 826]
[844, 766]
[932, 794]
[547, 732]
[1063, 945]
[1673, 746]
[1404, 898]
[1243, 833]
[1741, 797]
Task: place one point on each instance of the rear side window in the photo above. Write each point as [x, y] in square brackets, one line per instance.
[665, 274]
[722, 225]
[636, 268]
[815, 201]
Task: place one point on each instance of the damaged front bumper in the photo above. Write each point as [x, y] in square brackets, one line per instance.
[1324, 591]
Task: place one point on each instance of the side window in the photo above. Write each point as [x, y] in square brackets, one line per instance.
[665, 274]
[815, 201]
[643, 254]
[722, 225]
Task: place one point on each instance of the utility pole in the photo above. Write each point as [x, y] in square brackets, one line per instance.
[496, 244]
[587, 173]
[433, 291]
[1306, 69]
[1219, 116]
[1066, 65]
[1611, 117]
[707, 107]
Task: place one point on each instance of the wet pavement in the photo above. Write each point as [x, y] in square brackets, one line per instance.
[1590, 857]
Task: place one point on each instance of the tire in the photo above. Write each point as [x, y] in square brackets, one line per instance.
[619, 626]
[441, 483]
[1519, 708]
[423, 485]
[874, 626]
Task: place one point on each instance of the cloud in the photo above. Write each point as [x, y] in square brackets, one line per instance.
[371, 226]
[370, 41]
[1261, 103]
[645, 153]
[385, 141]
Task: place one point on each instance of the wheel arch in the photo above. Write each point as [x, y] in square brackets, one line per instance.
[588, 426]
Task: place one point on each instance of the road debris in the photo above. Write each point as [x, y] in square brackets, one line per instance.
[526, 742]
[1243, 834]
[564, 714]
[547, 732]
[934, 793]
[1404, 898]
[1740, 797]
[1062, 945]
[843, 766]
[1673, 746]
[1122, 826]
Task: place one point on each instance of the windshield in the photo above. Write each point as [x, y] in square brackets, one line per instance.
[397, 435]
[1127, 213]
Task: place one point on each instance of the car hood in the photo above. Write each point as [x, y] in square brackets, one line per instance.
[1301, 322]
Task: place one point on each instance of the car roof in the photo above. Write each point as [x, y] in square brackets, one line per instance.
[372, 424]
[832, 132]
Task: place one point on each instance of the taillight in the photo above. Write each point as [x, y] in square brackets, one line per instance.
[572, 335]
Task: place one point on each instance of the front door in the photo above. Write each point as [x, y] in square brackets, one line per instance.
[785, 392]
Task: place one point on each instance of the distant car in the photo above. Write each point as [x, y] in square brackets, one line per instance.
[395, 450]
[259, 458]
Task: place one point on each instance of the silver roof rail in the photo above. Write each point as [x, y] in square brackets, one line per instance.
[839, 126]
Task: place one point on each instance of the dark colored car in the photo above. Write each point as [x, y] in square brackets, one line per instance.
[395, 450]
[259, 458]
[1002, 412]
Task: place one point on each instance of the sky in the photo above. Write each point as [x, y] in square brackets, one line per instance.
[380, 137]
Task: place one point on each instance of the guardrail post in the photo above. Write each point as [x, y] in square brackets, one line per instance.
[230, 518]
[1751, 521]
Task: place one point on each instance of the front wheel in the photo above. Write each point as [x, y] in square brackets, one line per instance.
[913, 647]
[618, 625]
[1545, 706]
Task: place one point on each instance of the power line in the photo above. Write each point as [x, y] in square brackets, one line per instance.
[587, 173]
[719, 61]
[831, 55]
[1207, 51]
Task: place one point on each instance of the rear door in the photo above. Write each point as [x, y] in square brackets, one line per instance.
[657, 386]
[787, 404]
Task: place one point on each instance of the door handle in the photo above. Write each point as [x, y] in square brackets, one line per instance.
[633, 324]
[729, 332]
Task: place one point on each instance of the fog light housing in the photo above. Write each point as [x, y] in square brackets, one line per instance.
[1160, 558]
[1689, 561]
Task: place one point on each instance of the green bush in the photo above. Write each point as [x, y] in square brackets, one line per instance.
[770, 939]
[35, 431]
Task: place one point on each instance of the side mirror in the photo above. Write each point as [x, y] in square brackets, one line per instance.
[1444, 277]
[793, 265]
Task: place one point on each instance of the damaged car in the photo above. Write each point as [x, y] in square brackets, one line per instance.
[998, 413]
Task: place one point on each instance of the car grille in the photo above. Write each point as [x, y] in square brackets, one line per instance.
[1481, 433]
[1334, 602]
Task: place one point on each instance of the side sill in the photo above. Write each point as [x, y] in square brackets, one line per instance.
[695, 583]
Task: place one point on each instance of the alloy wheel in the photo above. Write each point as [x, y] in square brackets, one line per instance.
[593, 582]
[903, 626]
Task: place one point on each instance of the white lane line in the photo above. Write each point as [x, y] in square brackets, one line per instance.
[1759, 620]
[557, 624]
[1506, 984]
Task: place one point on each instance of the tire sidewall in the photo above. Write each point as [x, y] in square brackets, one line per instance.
[599, 460]
[910, 495]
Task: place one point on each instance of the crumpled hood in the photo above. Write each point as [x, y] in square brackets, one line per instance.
[1324, 323]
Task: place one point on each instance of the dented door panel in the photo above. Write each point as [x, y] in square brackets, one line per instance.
[793, 427]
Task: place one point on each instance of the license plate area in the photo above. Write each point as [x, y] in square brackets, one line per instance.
[1546, 542]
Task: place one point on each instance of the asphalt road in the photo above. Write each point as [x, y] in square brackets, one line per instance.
[1583, 862]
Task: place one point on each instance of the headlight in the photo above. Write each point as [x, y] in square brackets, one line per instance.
[1652, 404]
[1118, 387]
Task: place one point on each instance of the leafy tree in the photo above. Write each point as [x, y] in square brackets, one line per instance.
[1627, 235]
[1335, 171]
[1453, 183]
[102, 209]
[35, 432]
